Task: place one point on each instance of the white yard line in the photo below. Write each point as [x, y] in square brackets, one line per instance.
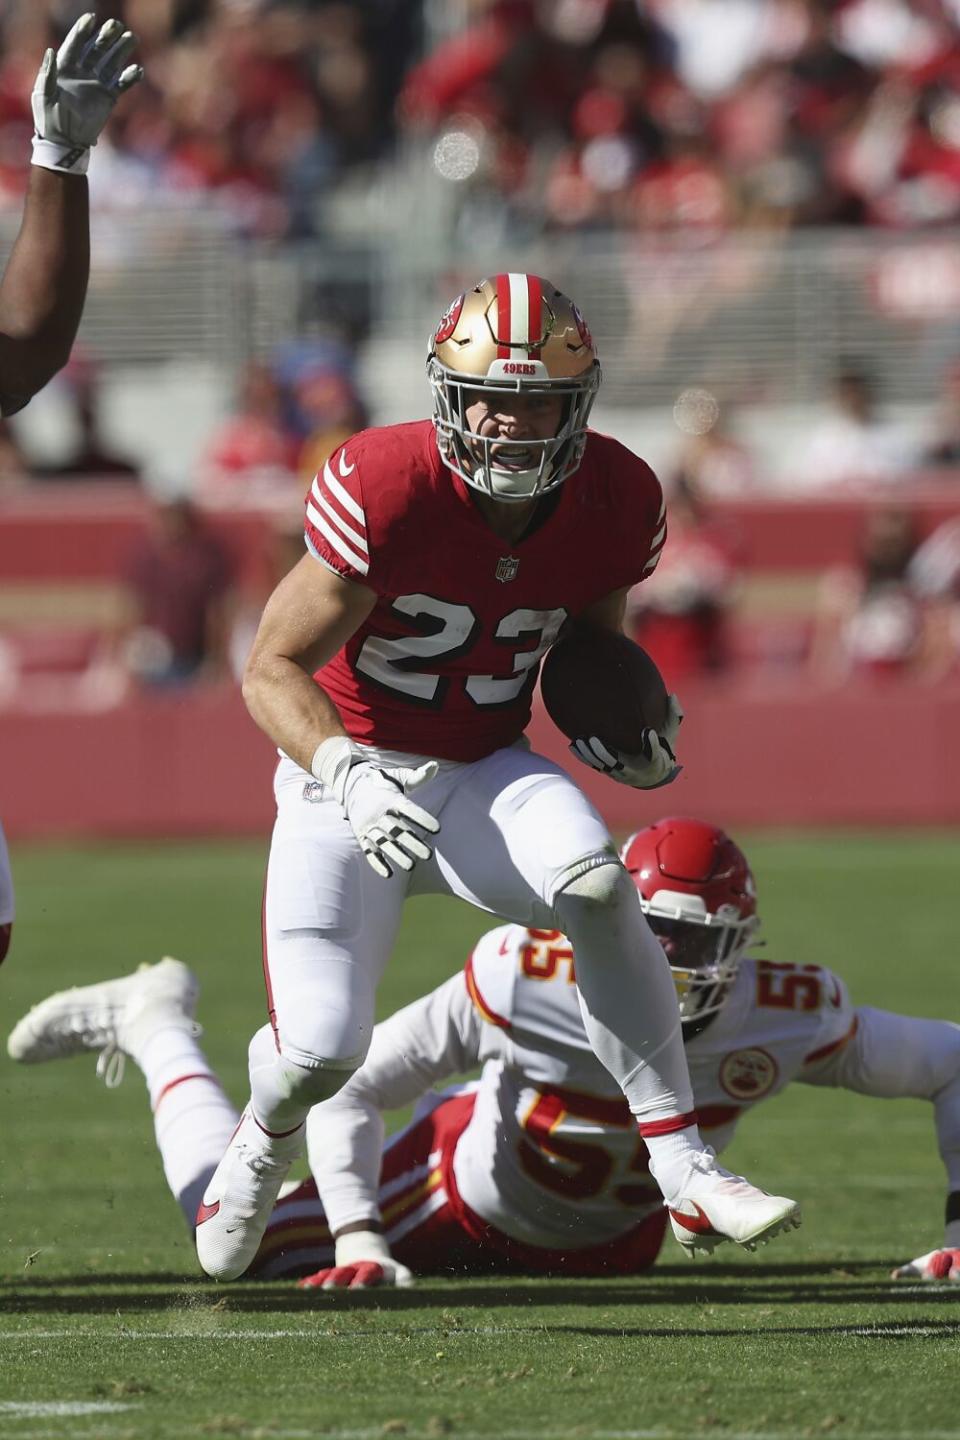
[40, 1409]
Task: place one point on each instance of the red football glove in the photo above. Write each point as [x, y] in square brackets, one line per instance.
[361, 1261]
[363, 1276]
[937, 1265]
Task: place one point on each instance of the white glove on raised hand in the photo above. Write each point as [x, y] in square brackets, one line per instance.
[76, 89]
[374, 800]
[362, 1260]
[937, 1265]
[655, 766]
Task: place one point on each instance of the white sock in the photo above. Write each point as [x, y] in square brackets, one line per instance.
[670, 1158]
[192, 1117]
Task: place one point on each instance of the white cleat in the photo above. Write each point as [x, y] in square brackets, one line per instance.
[99, 1017]
[239, 1200]
[716, 1206]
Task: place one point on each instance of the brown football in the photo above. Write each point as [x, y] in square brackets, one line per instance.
[596, 682]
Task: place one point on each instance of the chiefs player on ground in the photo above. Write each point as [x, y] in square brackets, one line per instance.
[398, 658]
[536, 1167]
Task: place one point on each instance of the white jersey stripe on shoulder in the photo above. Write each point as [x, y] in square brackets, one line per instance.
[359, 540]
[659, 538]
[519, 309]
[343, 496]
[339, 544]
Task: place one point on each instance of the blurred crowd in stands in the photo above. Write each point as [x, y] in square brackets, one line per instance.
[646, 114]
[675, 120]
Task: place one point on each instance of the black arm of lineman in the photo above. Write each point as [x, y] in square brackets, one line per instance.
[44, 285]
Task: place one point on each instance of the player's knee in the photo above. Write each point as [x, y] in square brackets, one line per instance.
[592, 892]
[309, 1079]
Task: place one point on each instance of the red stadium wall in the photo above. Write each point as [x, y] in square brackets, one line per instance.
[755, 752]
[196, 764]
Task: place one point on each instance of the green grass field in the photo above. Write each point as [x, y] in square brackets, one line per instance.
[107, 1330]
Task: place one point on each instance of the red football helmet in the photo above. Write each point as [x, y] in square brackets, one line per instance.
[698, 893]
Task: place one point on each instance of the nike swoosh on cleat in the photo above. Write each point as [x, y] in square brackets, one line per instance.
[699, 1224]
[345, 469]
[207, 1212]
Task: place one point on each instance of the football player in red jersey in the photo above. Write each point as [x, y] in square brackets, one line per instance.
[45, 281]
[537, 1166]
[397, 660]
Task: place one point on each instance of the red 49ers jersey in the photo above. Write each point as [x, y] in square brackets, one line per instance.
[447, 660]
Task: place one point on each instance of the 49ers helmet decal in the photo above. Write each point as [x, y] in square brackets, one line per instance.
[511, 334]
[698, 894]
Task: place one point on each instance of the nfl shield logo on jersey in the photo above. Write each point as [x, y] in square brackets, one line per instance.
[507, 567]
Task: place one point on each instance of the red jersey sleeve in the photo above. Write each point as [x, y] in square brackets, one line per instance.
[336, 523]
[625, 525]
[644, 517]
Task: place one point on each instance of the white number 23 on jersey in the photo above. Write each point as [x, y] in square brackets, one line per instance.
[449, 630]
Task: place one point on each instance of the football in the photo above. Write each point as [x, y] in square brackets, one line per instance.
[596, 682]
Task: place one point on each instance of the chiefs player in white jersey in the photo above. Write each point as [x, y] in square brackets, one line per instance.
[398, 658]
[537, 1166]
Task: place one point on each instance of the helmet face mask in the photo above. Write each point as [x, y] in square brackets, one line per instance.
[698, 894]
[512, 336]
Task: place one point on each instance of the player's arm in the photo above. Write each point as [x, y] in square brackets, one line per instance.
[419, 1047]
[45, 282]
[309, 617]
[656, 765]
[897, 1057]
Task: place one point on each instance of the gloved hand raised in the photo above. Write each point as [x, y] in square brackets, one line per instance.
[76, 89]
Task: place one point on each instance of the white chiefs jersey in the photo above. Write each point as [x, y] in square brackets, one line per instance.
[551, 1155]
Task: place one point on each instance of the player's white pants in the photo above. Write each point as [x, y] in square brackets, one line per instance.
[512, 824]
[515, 831]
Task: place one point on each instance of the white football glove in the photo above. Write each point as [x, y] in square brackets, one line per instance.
[655, 766]
[362, 1260]
[937, 1265]
[387, 824]
[76, 89]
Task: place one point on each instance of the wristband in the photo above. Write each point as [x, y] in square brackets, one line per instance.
[361, 1245]
[67, 159]
[331, 760]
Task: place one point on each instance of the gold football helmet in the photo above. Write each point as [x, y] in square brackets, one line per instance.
[512, 334]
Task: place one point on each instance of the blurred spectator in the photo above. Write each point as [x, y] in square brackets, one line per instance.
[91, 457]
[253, 455]
[179, 577]
[934, 574]
[679, 615]
[944, 446]
[852, 444]
[869, 618]
[322, 406]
